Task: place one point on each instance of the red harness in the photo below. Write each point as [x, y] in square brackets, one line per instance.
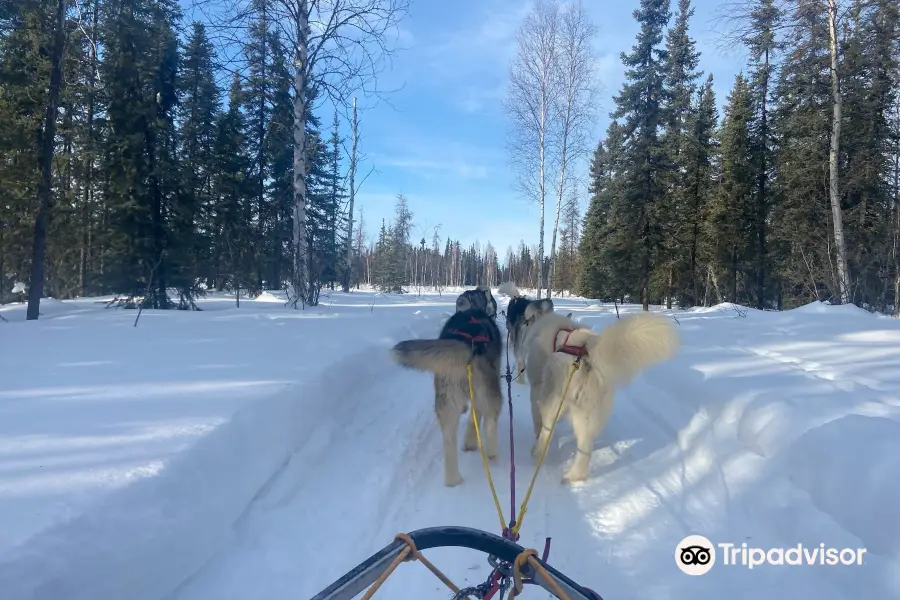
[565, 348]
[475, 339]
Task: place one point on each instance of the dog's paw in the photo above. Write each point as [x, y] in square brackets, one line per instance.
[571, 477]
[453, 481]
[470, 445]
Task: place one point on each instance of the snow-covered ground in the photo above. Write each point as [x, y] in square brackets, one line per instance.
[261, 452]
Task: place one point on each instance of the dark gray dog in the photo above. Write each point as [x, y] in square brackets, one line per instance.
[480, 297]
[473, 334]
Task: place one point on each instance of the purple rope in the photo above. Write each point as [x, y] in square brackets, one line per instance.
[512, 447]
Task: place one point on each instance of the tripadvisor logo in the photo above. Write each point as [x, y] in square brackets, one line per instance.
[696, 555]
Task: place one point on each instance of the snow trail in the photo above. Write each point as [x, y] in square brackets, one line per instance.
[769, 429]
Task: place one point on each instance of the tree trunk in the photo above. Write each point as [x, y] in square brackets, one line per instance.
[88, 199]
[560, 188]
[761, 200]
[896, 233]
[833, 156]
[669, 286]
[301, 283]
[542, 192]
[349, 266]
[46, 141]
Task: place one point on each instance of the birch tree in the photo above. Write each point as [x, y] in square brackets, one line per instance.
[834, 195]
[575, 110]
[531, 103]
[339, 48]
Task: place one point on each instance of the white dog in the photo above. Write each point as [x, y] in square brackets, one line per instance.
[611, 358]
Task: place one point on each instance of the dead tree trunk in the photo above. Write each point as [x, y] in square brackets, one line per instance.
[46, 139]
[348, 267]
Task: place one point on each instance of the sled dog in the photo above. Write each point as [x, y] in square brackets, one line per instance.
[480, 298]
[516, 322]
[612, 358]
[470, 333]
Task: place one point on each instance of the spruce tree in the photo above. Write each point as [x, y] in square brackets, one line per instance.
[199, 112]
[232, 256]
[640, 106]
[729, 218]
[801, 123]
[681, 77]
[280, 158]
[699, 184]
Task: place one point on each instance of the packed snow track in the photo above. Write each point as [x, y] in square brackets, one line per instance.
[260, 453]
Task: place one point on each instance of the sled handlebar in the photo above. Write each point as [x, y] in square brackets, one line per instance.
[363, 575]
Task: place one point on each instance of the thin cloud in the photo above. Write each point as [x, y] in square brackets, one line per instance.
[431, 167]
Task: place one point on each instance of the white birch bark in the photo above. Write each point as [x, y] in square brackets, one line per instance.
[300, 254]
[833, 156]
[530, 103]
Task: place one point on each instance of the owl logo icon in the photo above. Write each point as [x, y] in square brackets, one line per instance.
[695, 555]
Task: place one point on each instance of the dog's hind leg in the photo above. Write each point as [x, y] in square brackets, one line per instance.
[492, 401]
[545, 402]
[586, 425]
[520, 369]
[536, 419]
[448, 409]
[489, 402]
[470, 441]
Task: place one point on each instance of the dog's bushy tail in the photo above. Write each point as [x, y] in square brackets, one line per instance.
[629, 345]
[442, 357]
[509, 289]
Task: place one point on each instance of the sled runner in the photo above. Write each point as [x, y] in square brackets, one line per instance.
[513, 567]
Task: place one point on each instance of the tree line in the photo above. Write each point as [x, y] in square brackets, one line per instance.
[394, 261]
[792, 196]
[139, 161]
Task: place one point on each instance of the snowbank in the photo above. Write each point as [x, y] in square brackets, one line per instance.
[142, 539]
[850, 468]
[134, 463]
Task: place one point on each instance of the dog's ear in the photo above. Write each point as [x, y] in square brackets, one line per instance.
[463, 303]
[490, 305]
[546, 305]
[533, 310]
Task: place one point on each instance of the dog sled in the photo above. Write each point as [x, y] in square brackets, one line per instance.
[513, 567]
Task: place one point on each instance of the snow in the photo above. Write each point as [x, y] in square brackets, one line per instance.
[261, 452]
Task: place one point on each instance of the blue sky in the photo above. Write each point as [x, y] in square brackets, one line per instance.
[441, 140]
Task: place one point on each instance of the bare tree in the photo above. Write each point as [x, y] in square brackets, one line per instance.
[353, 187]
[530, 104]
[339, 49]
[575, 100]
[352, 177]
